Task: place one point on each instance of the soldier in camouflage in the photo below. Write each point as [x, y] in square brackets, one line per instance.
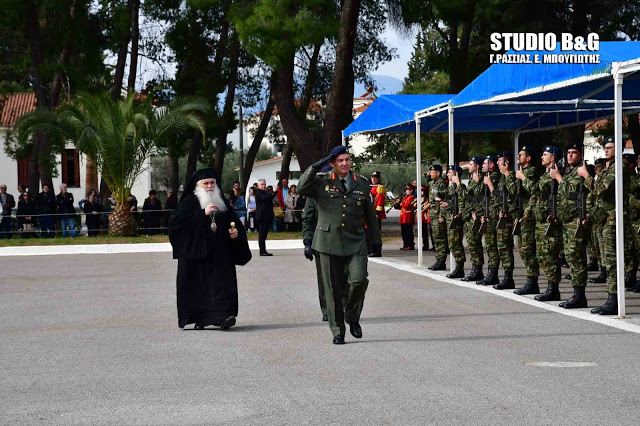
[471, 213]
[453, 215]
[548, 228]
[631, 256]
[634, 205]
[596, 227]
[438, 192]
[505, 207]
[571, 191]
[490, 189]
[527, 235]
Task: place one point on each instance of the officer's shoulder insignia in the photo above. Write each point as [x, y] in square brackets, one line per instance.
[323, 174]
[363, 178]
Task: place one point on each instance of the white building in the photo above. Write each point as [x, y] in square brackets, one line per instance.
[269, 170]
[71, 164]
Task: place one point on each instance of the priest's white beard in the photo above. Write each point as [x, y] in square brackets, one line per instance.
[207, 197]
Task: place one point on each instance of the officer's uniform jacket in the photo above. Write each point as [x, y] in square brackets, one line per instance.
[309, 219]
[341, 215]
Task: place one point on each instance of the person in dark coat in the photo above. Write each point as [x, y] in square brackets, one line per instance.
[209, 241]
[27, 211]
[152, 214]
[264, 214]
[93, 209]
[64, 203]
[7, 202]
[172, 202]
[46, 207]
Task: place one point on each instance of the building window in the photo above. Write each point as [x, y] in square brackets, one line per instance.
[23, 172]
[71, 168]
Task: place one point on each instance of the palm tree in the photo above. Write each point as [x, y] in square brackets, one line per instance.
[118, 136]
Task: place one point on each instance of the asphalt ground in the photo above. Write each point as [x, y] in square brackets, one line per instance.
[93, 339]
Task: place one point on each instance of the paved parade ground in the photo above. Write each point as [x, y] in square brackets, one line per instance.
[93, 339]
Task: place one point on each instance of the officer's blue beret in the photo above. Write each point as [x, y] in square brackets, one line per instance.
[600, 161]
[528, 149]
[436, 167]
[455, 168]
[492, 158]
[507, 154]
[553, 150]
[609, 139]
[631, 157]
[340, 149]
[575, 145]
[476, 159]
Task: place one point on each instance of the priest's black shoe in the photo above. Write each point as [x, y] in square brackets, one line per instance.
[458, 272]
[198, 327]
[552, 293]
[475, 274]
[530, 287]
[578, 300]
[227, 323]
[264, 253]
[610, 307]
[338, 340]
[602, 278]
[355, 330]
[325, 317]
[439, 265]
[507, 282]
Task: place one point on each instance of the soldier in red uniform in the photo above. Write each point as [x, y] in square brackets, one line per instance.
[406, 205]
[378, 196]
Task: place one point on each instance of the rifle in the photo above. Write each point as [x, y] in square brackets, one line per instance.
[504, 209]
[485, 203]
[519, 208]
[455, 208]
[582, 208]
[553, 201]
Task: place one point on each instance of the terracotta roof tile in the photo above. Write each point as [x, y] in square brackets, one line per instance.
[15, 106]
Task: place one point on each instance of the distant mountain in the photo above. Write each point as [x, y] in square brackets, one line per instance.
[385, 85]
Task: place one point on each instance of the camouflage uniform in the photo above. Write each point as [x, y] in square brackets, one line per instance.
[490, 236]
[438, 189]
[527, 237]
[547, 248]
[455, 231]
[473, 194]
[504, 237]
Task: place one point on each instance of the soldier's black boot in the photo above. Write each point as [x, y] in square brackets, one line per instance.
[602, 278]
[592, 266]
[551, 293]
[439, 265]
[630, 280]
[507, 282]
[458, 272]
[578, 300]
[530, 287]
[610, 307]
[475, 274]
[563, 261]
[491, 278]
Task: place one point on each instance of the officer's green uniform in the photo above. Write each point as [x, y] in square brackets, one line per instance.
[527, 237]
[340, 239]
[547, 248]
[575, 249]
[438, 189]
[490, 236]
[455, 231]
[504, 239]
[472, 204]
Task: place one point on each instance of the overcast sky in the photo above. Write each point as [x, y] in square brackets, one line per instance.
[404, 45]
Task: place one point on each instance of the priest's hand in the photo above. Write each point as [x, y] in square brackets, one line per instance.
[210, 209]
[233, 233]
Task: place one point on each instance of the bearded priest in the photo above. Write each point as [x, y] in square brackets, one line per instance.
[209, 241]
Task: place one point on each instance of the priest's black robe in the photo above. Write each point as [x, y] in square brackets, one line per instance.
[207, 288]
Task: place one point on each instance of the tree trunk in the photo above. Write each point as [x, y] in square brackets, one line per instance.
[121, 221]
[286, 161]
[174, 170]
[255, 144]
[45, 174]
[194, 152]
[91, 178]
[34, 168]
[338, 113]
[307, 92]
[116, 89]
[135, 36]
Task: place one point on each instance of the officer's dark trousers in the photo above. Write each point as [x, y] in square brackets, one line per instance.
[263, 231]
[335, 280]
[321, 296]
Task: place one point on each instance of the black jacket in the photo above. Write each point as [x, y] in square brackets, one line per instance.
[46, 203]
[8, 205]
[64, 202]
[264, 205]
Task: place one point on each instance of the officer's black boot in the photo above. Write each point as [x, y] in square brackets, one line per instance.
[610, 307]
[439, 265]
[630, 280]
[458, 272]
[602, 278]
[551, 293]
[475, 274]
[592, 265]
[491, 278]
[530, 287]
[578, 300]
[507, 282]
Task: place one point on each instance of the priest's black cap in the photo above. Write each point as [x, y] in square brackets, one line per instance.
[198, 175]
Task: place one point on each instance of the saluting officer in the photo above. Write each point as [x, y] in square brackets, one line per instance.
[571, 190]
[438, 193]
[504, 200]
[527, 236]
[344, 205]
[548, 228]
[471, 213]
[490, 181]
[458, 191]
[378, 197]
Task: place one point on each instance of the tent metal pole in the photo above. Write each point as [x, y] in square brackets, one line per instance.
[418, 192]
[516, 138]
[619, 147]
[344, 141]
[452, 159]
